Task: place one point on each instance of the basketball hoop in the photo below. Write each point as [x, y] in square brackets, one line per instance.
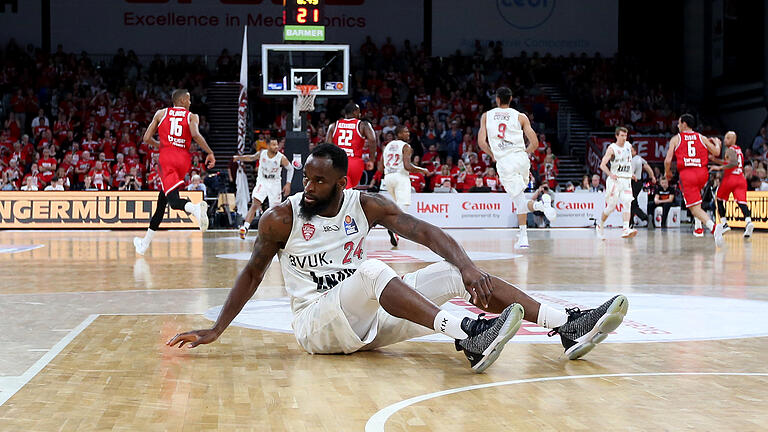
[306, 99]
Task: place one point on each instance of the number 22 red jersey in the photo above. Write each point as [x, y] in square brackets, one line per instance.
[691, 153]
[347, 135]
[173, 129]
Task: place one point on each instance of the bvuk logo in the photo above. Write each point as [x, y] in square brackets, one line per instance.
[525, 14]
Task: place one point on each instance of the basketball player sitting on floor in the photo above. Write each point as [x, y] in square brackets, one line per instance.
[343, 302]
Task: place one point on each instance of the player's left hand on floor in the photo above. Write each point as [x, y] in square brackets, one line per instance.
[193, 338]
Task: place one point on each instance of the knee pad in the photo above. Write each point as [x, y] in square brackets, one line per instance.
[521, 203]
[375, 276]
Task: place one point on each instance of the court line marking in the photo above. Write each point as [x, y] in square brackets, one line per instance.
[22, 380]
[377, 421]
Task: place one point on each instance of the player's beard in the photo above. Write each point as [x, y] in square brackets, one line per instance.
[307, 211]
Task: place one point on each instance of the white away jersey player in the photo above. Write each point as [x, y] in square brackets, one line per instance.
[620, 190]
[396, 177]
[268, 179]
[505, 137]
[321, 252]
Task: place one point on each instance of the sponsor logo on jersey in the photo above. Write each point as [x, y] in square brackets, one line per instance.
[314, 260]
[308, 230]
[328, 281]
[350, 227]
[330, 228]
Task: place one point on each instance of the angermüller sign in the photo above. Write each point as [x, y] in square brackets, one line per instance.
[101, 210]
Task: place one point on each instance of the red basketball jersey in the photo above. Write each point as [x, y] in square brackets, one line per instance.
[173, 129]
[347, 136]
[738, 170]
[691, 152]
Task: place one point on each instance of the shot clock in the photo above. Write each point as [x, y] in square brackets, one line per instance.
[304, 20]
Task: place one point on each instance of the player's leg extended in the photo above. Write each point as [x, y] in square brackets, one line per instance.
[141, 244]
[579, 330]
[626, 198]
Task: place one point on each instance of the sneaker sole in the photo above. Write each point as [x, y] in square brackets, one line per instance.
[509, 329]
[606, 324]
[203, 222]
[630, 235]
[550, 213]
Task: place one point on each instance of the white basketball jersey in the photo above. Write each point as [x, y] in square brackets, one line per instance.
[321, 252]
[393, 158]
[269, 167]
[621, 165]
[505, 134]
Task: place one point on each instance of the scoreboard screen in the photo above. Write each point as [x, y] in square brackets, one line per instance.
[304, 20]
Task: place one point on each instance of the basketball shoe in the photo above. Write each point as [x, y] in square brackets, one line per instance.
[522, 240]
[585, 329]
[394, 239]
[545, 205]
[748, 229]
[718, 233]
[487, 337]
[726, 228]
[202, 216]
[629, 233]
[599, 231]
[140, 245]
[243, 232]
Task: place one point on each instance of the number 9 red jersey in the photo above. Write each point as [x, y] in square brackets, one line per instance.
[173, 129]
[347, 135]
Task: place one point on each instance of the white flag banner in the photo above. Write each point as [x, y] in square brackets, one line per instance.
[242, 195]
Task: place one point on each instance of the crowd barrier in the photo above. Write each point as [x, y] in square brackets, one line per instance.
[89, 210]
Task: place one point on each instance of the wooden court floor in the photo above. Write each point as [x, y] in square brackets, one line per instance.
[84, 321]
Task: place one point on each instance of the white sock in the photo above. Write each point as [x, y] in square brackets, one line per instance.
[193, 209]
[696, 223]
[523, 229]
[626, 225]
[550, 317]
[449, 325]
[148, 237]
[710, 225]
[748, 220]
[247, 224]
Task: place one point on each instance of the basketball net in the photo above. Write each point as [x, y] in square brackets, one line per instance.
[306, 99]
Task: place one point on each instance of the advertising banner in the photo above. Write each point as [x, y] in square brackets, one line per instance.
[758, 206]
[496, 210]
[544, 26]
[206, 27]
[91, 210]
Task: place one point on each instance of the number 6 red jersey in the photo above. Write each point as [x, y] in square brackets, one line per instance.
[173, 129]
[347, 135]
[691, 152]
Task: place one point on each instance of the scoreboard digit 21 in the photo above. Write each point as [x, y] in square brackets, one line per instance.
[304, 20]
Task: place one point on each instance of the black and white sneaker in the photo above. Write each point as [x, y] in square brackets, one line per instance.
[393, 238]
[487, 337]
[585, 329]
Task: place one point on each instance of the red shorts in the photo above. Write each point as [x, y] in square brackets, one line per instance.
[692, 181]
[355, 169]
[733, 184]
[174, 166]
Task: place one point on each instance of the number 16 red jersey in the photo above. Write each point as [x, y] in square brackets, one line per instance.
[173, 130]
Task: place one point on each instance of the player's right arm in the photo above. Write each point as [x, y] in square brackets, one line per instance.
[533, 139]
[407, 153]
[247, 158]
[604, 163]
[274, 230]
[149, 134]
[329, 135]
[731, 161]
[673, 143]
[482, 137]
[194, 122]
[370, 138]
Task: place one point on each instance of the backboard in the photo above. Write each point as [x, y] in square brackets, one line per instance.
[284, 66]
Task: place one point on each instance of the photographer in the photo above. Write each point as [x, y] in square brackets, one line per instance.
[537, 218]
[131, 182]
